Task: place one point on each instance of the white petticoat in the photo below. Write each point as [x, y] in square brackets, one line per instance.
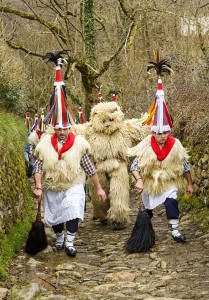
[60, 207]
[151, 201]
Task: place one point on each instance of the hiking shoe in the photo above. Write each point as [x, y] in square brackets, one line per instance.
[60, 241]
[104, 222]
[71, 251]
[59, 245]
[117, 225]
[179, 238]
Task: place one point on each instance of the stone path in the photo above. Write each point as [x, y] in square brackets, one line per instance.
[101, 270]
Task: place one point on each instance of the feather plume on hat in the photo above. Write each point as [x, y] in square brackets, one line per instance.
[161, 67]
[56, 57]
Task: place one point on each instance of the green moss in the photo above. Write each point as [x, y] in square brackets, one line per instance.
[16, 202]
[89, 32]
[12, 243]
[195, 151]
[197, 210]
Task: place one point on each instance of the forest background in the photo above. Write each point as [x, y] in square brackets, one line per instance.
[108, 43]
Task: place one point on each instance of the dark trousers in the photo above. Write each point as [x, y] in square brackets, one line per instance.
[171, 207]
[71, 226]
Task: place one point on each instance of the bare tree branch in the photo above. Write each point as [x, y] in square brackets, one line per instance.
[18, 47]
[125, 11]
[34, 17]
[206, 4]
[107, 62]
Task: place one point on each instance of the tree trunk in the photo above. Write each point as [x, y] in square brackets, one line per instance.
[90, 94]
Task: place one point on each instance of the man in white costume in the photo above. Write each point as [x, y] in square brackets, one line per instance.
[61, 168]
[160, 165]
[61, 173]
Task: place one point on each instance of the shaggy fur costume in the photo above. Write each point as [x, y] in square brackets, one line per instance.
[33, 138]
[61, 174]
[109, 136]
[159, 176]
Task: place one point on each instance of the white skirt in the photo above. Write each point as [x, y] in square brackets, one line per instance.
[60, 207]
[151, 201]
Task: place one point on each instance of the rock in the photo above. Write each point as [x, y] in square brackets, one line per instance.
[32, 262]
[4, 293]
[120, 276]
[27, 293]
[65, 266]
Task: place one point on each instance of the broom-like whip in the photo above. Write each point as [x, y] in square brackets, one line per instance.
[142, 238]
[37, 240]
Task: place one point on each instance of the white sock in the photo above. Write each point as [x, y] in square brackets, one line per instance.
[60, 237]
[174, 224]
[70, 239]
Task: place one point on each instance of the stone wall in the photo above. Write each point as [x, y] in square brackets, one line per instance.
[14, 187]
[201, 177]
[199, 159]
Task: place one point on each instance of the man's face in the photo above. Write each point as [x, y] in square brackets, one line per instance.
[62, 134]
[161, 137]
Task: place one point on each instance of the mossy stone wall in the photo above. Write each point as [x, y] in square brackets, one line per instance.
[16, 201]
[200, 167]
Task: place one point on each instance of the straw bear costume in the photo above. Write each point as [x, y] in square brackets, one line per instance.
[109, 136]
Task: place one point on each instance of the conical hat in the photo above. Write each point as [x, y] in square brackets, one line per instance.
[58, 115]
[27, 120]
[80, 115]
[42, 125]
[162, 120]
[36, 123]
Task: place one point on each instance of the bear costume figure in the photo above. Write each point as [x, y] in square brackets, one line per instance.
[109, 136]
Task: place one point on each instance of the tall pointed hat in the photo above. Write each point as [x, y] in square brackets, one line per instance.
[36, 123]
[42, 125]
[113, 93]
[27, 120]
[58, 115]
[114, 96]
[162, 120]
[100, 96]
[159, 116]
[80, 115]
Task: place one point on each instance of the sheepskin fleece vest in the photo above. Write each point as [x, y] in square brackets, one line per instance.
[160, 176]
[59, 175]
[34, 138]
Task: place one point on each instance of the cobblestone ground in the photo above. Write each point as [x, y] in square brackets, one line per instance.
[101, 270]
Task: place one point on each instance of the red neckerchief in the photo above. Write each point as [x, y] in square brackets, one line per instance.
[38, 134]
[66, 146]
[165, 150]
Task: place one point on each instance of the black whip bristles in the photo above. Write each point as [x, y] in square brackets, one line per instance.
[37, 240]
[162, 67]
[143, 236]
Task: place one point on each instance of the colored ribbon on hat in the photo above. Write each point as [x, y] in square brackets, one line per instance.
[163, 152]
[38, 134]
[67, 145]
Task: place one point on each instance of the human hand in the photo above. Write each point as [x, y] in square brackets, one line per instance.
[101, 194]
[38, 194]
[190, 190]
[139, 186]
